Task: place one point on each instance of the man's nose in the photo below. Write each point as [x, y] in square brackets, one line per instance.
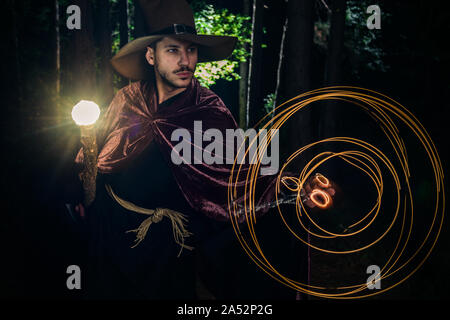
[184, 58]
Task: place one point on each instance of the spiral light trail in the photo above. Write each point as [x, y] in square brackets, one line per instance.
[370, 160]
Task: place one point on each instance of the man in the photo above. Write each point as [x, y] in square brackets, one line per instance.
[174, 62]
[136, 174]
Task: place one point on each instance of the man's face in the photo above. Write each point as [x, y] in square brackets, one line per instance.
[174, 61]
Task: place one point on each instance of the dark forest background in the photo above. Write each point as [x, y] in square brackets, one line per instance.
[297, 45]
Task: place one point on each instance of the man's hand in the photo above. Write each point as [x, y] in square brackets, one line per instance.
[79, 208]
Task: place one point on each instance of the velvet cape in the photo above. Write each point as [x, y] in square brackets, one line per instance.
[133, 121]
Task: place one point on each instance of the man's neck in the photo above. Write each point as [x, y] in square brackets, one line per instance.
[166, 92]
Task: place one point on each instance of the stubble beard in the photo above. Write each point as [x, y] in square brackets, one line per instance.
[164, 75]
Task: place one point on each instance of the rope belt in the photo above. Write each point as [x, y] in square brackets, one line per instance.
[155, 216]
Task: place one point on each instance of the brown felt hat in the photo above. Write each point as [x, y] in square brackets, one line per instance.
[168, 18]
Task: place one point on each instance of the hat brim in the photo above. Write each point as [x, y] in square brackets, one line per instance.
[131, 63]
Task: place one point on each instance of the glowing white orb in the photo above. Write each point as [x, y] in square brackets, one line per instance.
[85, 113]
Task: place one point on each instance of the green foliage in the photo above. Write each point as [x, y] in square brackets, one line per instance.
[362, 42]
[220, 21]
[115, 41]
[321, 34]
[269, 102]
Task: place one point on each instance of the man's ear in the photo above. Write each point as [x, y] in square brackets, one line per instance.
[150, 56]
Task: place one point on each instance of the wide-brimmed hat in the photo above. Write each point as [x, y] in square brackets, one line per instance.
[168, 18]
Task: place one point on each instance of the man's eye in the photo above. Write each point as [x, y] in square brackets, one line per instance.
[192, 49]
[172, 50]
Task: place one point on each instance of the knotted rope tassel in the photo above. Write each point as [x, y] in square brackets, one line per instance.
[178, 219]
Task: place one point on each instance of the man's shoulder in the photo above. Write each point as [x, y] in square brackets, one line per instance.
[131, 88]
[206, 91]
[207, 94]
[129, 95]
[214, 106]
[133, 93]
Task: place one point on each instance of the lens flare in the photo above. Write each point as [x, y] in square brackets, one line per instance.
[85, 113]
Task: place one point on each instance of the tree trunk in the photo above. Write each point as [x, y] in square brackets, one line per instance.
[296, 71]
[12, 130]
[58, 111]
[336, 44]
[254, 94]
[83, 68]
[333, 74]
[296, 79]
[243, 81]
[106, 76]
[123, 30]
[10, 69]
[280, 64]
[123, 22]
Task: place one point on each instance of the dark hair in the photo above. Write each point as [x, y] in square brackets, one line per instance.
[150, 71]
[154, 43]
